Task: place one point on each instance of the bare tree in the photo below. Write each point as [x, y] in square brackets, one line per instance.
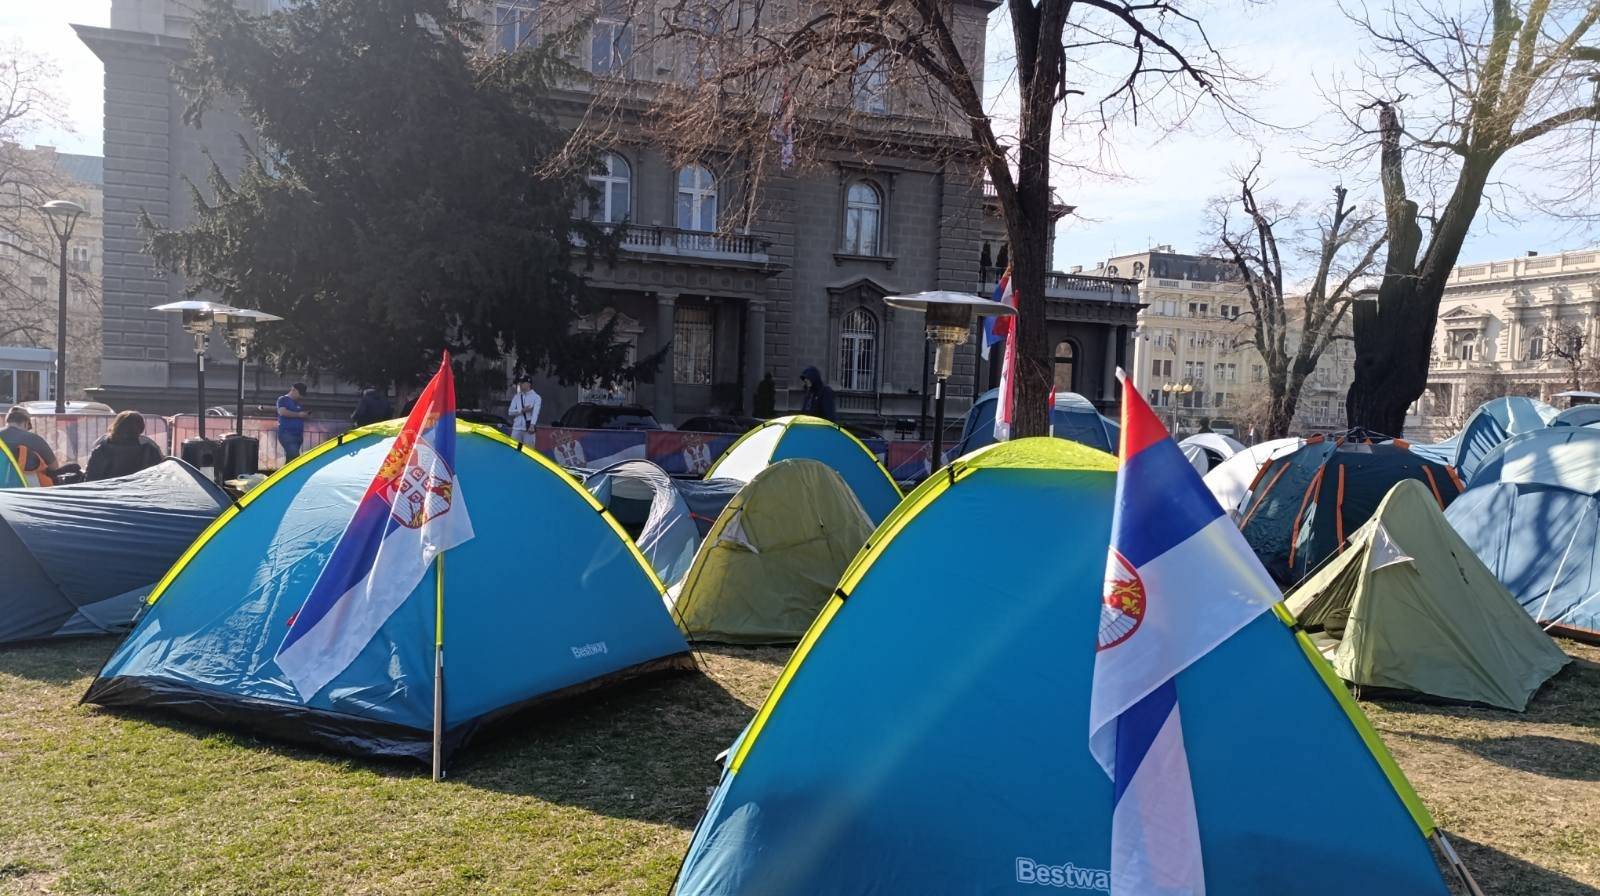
[775, 86]
[1451, 95]
[1291, 328]
[1569, 343]
[28, 252]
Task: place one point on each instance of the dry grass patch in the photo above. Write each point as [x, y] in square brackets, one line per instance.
[600, 799]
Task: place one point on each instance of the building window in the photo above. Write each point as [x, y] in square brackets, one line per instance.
[863, 219]
[858, 351]
[869, 85]
[697, 199]
[1161, 368]
[1257, 373]
[612, 181]
[40, 287]
[511, 24]
[1199, 309]
[17, 386]
[1138, 269]
[704, 46]
[610, 39]
[691, 346]
[80, 258]
[1536, 345]
[1462, 344]
[1064, 371]
[1228, 312]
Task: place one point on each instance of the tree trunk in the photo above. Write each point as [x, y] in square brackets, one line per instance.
[1394, 335]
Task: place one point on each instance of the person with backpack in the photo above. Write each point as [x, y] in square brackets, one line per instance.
[123, 450]
[33, 454]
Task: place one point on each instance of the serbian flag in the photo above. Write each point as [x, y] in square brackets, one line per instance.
[1180, 580]
[996, 328]
[412, 511]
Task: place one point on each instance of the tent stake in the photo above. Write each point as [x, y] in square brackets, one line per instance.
[1456, 865]
[438, 670]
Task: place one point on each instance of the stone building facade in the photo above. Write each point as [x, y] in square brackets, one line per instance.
[30, 282]
[802, 286]
[1194, 334]
[1503, 329]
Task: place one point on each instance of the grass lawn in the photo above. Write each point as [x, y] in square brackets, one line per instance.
[601, 798]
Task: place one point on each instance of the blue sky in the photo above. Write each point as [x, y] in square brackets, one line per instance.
[1163, 179]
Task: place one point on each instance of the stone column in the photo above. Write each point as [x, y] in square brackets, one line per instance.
[755, 350]
[666, 312]
[1108, 385]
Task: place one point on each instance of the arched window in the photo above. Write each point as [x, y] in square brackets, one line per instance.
[697, 199]
[1065, 372]
[1536, 346]
[869, 84]
[1138, 269]
[858, 351]
[863, 219]
[613, 181]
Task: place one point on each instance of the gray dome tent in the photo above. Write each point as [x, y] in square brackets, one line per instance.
[80, 559]
[665, 517]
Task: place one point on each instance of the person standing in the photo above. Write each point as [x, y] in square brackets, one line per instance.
[292, 421]
[524, 411]
[371, 408]
[32, 453]
[124, 450]
[818, 400]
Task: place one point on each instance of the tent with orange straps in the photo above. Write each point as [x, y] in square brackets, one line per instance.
[1303, 505]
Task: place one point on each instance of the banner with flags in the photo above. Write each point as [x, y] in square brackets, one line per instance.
[1180, 580]
[412, 512]
[996, 328]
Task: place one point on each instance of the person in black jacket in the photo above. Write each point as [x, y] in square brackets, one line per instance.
[124, 450]
[372, 407]
[818, 400]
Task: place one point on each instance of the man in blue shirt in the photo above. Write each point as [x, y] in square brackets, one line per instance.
[291, 421]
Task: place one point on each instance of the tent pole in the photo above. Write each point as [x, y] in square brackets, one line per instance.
[438, 669]
[1560, 566]
[1455, 863]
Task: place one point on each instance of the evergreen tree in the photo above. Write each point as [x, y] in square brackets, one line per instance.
[404, 195]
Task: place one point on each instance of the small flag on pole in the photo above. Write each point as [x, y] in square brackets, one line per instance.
[996, 328]
[412, 512]
[783, 128]
[1180, 580]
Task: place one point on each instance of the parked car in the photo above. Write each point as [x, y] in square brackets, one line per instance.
[727, 424]
[484, 418]
[93, 408]
[589, 415]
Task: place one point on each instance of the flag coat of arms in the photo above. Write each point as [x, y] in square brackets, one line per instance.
[1003, 329]
[1180, 580]
[412, 512]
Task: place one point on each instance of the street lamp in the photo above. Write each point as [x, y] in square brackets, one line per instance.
[1174, 390]
[63, 216]
[949, 317]
[198, 319]
[239, 326]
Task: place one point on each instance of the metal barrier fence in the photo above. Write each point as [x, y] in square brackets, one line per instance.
[679, 453]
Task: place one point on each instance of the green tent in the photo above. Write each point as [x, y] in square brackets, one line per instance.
[1408, 606]
[773, 557]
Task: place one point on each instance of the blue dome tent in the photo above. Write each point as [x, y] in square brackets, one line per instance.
[931, 732]
[1494, 422]
[1578, 415]
[549, 600]
[80, 559]
[1072, 417]
[811, 438]
[1532, 516]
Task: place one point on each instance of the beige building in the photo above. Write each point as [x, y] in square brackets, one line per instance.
[1522, 326]
[30, 281]
[1194, 339]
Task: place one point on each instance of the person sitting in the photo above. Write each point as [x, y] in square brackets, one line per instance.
[124, 450]
[33, 454]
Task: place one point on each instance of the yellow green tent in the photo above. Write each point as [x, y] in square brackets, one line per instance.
[773, 557]
[1408, 606]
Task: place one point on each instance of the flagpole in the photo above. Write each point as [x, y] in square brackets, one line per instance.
[438, 669]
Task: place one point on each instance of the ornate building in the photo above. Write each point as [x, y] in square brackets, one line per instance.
[1193, 355]
[1522, 326]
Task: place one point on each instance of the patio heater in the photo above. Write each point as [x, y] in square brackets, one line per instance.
[239, 327]
[948, 319]
[198, 319]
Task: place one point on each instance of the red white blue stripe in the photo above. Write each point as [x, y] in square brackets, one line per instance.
[996, 329]
[1180, 580]
[412, 512]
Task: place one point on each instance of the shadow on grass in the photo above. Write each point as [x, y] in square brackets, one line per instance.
[1549, 757]
[1505, 875]
[646, 751]
[59, 661]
